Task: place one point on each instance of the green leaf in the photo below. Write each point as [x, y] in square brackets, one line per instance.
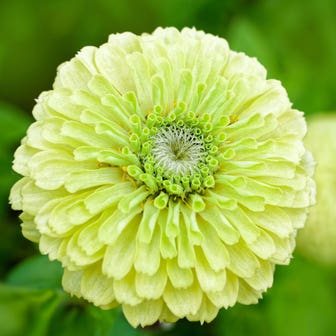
[37, 272]
[13, 124]
[77, 317]
[302, 300]
[243, 320]
[26, 312]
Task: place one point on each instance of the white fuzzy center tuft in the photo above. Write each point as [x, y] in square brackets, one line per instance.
[177, 150]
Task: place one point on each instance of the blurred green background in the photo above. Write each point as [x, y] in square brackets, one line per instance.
[294, 39]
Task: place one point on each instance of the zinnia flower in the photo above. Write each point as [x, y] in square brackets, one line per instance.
[318, 239]
[166, 174]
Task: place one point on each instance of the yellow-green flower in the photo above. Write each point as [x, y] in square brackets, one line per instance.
[166, 174]
[318, 239]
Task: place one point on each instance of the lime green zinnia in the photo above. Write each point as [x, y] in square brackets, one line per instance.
[318, 239]
[166, 174]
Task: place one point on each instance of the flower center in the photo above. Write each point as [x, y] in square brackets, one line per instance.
[175, 154]
[178, 150]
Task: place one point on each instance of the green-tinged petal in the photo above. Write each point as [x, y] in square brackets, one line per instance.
[263, 246]
[215, 99]
[274, 149]
[95, 287]
[245, 126]
[85, 134]
[33, 196]
[292, 123]
[50, 168]
[111, 63]
[185, 85]
[73, 75]
[221, 201]
[284, 249]
[40, 110]
[209, 280]
[50, 246]
[270, 219]
[115, 224]
[227, 297]
[271, 195]
[71, 282]
[147, 258]
[84, 179]
[186, 253]
[105, 126]
[42, 217]
[144, 313]
[117, 158]
[247, 228]
[59, 104]
[119, 113]
[194, 232]
[78, 256]
[263, 278]
[164, 68]
[29, 229]
[88, 238]
[151, 286]
[35, 138]
[274, 99]
[106, 196]
[214, 250]
[100, 86]
[119, 256]
[167, 316]
[21, 159]
[158, 90]
[254, 203]
[206, 313]
[246, 294]
[238, 63]
[225, 230]
[297, 217]
[141, 75]
[124, 290]
[298, 182]
[242, 261]
[148, 221]
[269, 168]
[173, 220]
[68, 213]
[133, 200]
[15, 196]
[178, 276]
[168, 247]
[185, 301]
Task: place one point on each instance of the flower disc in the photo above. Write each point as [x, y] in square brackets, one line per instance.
[166, 173]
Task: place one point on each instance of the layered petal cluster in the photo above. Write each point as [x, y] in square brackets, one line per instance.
[318, 238]
[166, 173]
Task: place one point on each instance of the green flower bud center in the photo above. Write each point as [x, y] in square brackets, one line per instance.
[177, 153]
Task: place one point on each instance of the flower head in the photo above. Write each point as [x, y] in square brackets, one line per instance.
[318, 239]
[166, 174]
